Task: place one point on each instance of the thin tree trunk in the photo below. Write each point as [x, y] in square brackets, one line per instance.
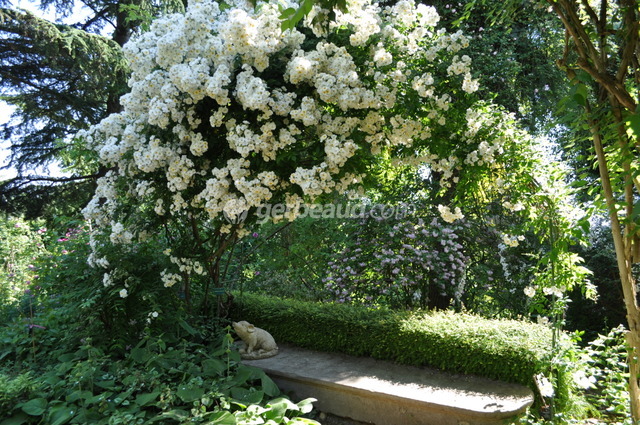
[622, 244]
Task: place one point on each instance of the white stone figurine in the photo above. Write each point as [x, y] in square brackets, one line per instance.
[259, 344]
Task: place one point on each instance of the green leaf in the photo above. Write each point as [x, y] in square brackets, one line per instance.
[140, 355]
[213, 367]
[287, 13]
[306, 7]
[580, 94]
[276, 412]
[306, 405]
[98, 398]
[17, 419]
[247, 396]
[184, 325]
[146, 398]
[633, 125]
[189, 394]
[176, 414]
[222, 418]
[584, 76]
[269, 387]
[35, 407]
[61, 414]
[68, 357]
[79, 395]
[243, 374]
[107, 385]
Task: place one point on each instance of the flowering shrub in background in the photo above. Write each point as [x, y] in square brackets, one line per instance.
[412, 262]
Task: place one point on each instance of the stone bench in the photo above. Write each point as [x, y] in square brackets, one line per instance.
[384, 393]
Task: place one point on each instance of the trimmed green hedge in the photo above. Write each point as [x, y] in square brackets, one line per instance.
[506, 350]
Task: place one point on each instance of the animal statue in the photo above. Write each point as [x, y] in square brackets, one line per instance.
[259, 344]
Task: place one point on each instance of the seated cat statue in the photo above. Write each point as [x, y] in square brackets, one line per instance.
[259, 344]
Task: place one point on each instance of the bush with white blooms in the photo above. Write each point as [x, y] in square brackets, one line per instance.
[228, 112]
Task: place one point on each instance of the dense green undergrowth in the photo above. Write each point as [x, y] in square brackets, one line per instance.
[160, 380]
[507, 350]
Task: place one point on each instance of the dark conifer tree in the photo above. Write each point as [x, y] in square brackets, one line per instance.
[62, 78]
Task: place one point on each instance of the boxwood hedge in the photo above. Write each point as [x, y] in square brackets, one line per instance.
[507, 350]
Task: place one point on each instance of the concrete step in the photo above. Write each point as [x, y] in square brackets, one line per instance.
[384, 393]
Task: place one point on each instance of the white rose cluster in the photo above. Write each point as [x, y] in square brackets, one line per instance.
[448, 215]
[194, 109]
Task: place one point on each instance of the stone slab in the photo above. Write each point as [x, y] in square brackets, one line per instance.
[385, 393]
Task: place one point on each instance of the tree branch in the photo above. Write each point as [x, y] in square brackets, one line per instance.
[629, 40]
[99, 15]
[610, 84]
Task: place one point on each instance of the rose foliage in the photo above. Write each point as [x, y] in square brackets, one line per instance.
[228, 112]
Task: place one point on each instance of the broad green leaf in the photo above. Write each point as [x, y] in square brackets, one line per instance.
[184, 325]
[243, 374]
[269, 387]
[140, 355]
[146, 398]
[79, 395]
[633, 125]
[35, 407]
[61, 414]
[287, 13]
[222, 418]
[98, 398]
[580, 94]
[107, 385]
[276, 412]
[247, 396]
[189, 394]
[176, 414]
[213, 367]
[17, 419]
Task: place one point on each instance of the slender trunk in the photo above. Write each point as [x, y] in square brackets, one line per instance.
[591, 43]
[622, 244]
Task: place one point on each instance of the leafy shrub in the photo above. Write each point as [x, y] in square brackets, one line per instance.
[507, 350]
[21, 242]
[607, 374]
[15, 389]
[91, 299]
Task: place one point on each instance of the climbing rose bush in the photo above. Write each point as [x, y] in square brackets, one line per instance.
[227, 112]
